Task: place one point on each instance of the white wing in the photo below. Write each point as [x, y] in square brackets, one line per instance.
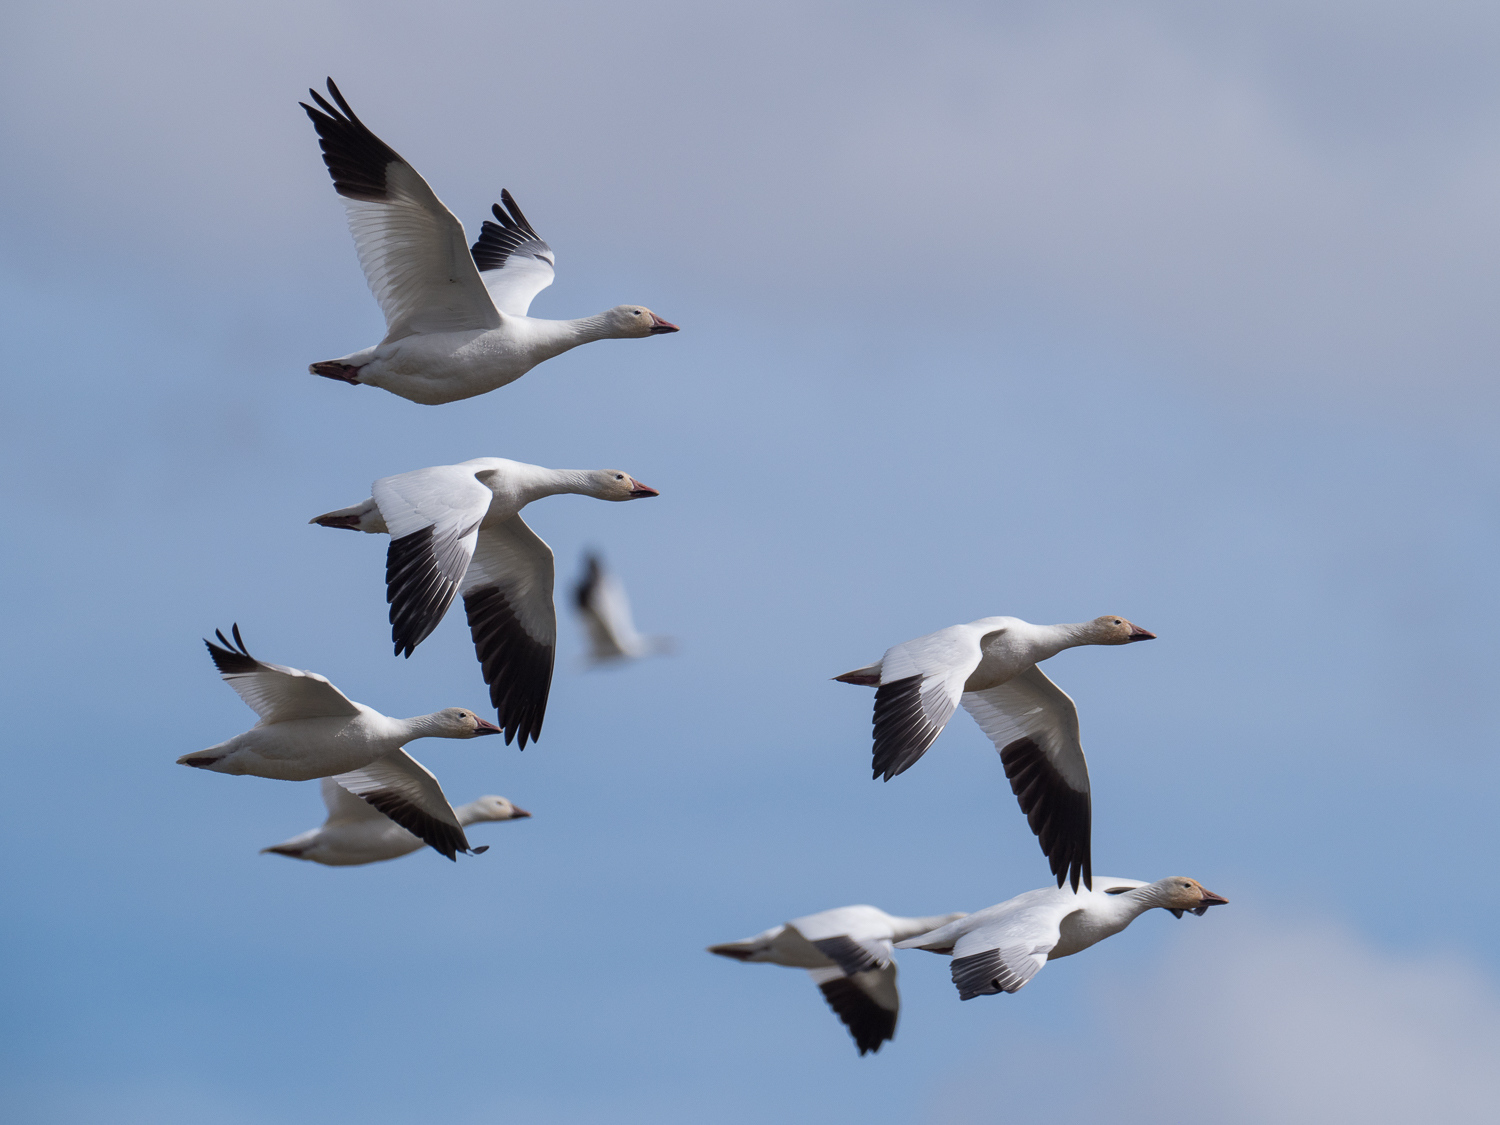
[433, 516]
[514, 263]
[277, 693]
[605, 610]
[508, 598]
[1034, 726]
[1004, 952]
[411, 247]
[345, 807]
[867, 1003]
[402, 788]
[920, 683]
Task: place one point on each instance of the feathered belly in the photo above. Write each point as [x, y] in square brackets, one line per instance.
[448, 366]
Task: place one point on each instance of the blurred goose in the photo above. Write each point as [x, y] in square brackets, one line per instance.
[605, 610]
[309, 729]
[847, 951]
[1003, 947]
[456, 529]
[990, 666]
[455, 316]
[357, 832]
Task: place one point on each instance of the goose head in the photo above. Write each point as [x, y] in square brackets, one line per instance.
[615, 484]
[460, 722]
[1180, 894]
[631, 321]
[1111, 630]
[495, 808]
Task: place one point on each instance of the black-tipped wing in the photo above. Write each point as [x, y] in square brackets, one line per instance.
[854, 956]
[404, 790]
[433, 516]
[513, 261]
[274, 692]
[1009, 947]
[411, 247]
[508, 600]
[1034, 726]
[605, 610]
[993, 971]
[866, 1003]
[920, 682]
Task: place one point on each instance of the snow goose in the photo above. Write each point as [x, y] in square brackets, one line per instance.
[457, 528]
[990, 666]
[1003, 947]
[605, 610]
[357, 832]
[847, 951]
[309, 729]
[456, 323]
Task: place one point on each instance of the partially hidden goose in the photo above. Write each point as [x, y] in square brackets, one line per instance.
[990, 666]
[847, 952]
[357, 832]
[1003, 947]
[455, 316]
[457, 529]
[309, 729]
[601, 603]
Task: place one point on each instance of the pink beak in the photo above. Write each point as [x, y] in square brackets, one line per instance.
[659, 326]
[642, 489]
[485, 727]
[1139, 634]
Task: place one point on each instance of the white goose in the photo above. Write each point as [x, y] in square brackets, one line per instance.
[309, 729]
[990, 666]
[847, 951]
[1003, 947]
[356, 832]
[457, 528]
[456, 323]
[605, 610]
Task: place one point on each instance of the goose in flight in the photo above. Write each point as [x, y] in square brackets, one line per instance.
[457, 529]
[309, 729]
[847, 952]
[990, 666]
[357, 832]
[1003, 947]
[455, 316]
[605, 610]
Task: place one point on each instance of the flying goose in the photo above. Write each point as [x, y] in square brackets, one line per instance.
[455, 316]
[309, 729]
[847, 952]
[605, 610]
[457, 529]
[990, 666]
[1001, 948]
[356, 832]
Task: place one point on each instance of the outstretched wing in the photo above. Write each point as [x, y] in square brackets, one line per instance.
[514, 263]
[920, 683]
[605, 610]
[1003, 955]
[403, 789]
[1034, 725]
[276, 693]
[344, 806]
[433, 516]
[867, 1003]
[411, 247]
[508, 598]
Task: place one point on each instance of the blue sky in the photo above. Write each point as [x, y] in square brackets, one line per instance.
[1124, 308]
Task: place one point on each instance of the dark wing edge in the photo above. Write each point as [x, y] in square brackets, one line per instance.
[902, 730]
[356, 158]
[985, 974]
[233, 658]
[848, 954]
[499, 240]
[418, 593]
[583, 592]
[446, 839]
[517, 668]
[1061, 817]
[869, 1024]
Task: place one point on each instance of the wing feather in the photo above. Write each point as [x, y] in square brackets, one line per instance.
[275, 692]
